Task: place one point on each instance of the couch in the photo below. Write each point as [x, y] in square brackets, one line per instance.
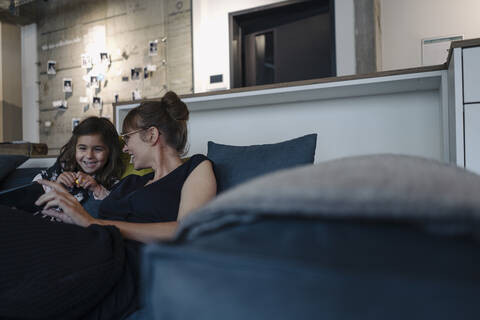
[368, 237]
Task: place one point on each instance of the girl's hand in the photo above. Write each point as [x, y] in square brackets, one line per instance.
[88, 182]
[67, 179]
[71, 210]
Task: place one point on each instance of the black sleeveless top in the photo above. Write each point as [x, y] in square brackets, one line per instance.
[132, 201]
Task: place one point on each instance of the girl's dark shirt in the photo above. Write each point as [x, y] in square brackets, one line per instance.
[132, 201]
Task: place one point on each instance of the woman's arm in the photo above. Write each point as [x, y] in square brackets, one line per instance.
[142, 232]
[73, 212]
[199, 188]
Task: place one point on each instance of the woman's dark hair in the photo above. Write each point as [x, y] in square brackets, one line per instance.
[169, 116]
[114, 166]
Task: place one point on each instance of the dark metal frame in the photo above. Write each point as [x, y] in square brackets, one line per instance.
[236, 45]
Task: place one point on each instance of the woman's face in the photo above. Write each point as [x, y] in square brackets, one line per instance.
[136, 147]
[91, 153]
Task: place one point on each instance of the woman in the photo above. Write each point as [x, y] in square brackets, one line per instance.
[155, 135]
[88, 268]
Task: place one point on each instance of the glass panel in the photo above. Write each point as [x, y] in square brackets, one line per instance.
[264, 56]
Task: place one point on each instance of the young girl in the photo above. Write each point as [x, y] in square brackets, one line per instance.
[89, 164]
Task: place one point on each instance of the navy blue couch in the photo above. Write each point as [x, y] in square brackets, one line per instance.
[373, 237]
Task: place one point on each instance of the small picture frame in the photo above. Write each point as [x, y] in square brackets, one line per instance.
[94, 83]
[60, 104]
[146, 73]
[86, 61]
[67, 85]
[104, 58]
[153, 48]
[136, 95]
[97, 102]
[51, 67]
[75, 122]
[135, 74]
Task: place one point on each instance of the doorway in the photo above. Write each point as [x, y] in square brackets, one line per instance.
[284, 42]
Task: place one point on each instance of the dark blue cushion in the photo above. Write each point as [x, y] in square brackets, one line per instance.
[19, 177]
[236, 164]
[8, 163]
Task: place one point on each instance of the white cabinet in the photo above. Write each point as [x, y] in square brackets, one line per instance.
[467, 106]
[464, 104]
[471, 75]
[472, 137]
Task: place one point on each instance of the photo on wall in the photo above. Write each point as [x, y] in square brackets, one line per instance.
[104, 58]
[136, 95]
[97, 102]
[60, 104]
[153, 48]
[94, 83]
[75, 122]
[86, 61]
[51, 67]
[135, 73]
[67, 85]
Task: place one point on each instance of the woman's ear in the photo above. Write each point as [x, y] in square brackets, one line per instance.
[154, 135]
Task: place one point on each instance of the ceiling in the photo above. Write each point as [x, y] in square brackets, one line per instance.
[24, 12]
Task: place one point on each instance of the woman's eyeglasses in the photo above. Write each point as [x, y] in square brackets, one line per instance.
[126, 136]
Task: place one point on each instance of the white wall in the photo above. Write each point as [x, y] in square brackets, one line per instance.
[211, 38]
[401, 123]
[402, 114]
[30, 111]
[405, 23]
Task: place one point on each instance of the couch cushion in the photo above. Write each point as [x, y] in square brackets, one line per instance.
[8, 163]
[388, 187]
[236, 164]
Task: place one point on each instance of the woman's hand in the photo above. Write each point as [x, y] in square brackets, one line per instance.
[88, 182]
[71, 210]
[67, 178]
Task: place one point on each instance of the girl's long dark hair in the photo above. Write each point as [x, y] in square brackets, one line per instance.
[114, 166]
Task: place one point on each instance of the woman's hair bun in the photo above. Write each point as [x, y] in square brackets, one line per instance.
[175, 107]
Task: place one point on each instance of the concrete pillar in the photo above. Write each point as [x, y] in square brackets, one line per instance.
[10, 83]
[367, 35]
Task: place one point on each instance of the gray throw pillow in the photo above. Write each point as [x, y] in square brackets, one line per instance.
[400, 188]
[8, 163]
[236, 164]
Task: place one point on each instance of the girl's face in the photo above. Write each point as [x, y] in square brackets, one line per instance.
[91, 153]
